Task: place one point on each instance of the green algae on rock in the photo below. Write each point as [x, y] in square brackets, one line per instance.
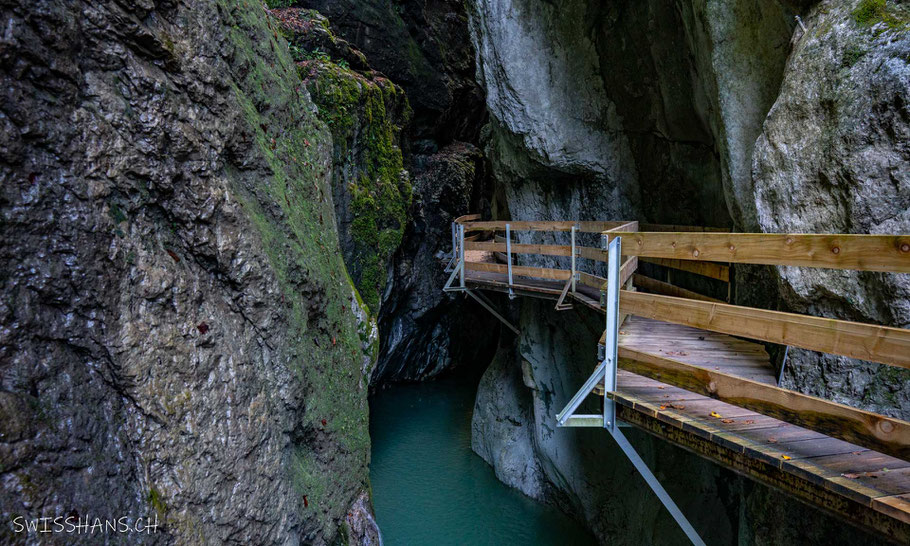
[365, 113]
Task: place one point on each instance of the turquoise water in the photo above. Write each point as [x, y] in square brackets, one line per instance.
[430, 488]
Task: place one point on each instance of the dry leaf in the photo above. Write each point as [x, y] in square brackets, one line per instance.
[728, 421]
[786, 457]
[749, 421]
[663, 408]
[661, 387]
[850, 476]
[716, 415]
[772, 439]
[678, 406]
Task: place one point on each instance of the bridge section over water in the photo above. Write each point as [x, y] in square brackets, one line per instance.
[692, 369]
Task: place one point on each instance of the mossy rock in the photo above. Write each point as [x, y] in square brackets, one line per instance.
[364, 112]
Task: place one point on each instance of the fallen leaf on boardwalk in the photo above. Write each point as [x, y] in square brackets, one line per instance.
[677, 353]
[716, 415]
[850, 476]
[728, 421]
[663, 408]
[786, 457]
[622, 332]
[661, 387]
[749, 421]
[772, 439]
[678, 406]
[701, 338]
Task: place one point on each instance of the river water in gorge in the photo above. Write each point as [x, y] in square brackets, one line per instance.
[429, 488]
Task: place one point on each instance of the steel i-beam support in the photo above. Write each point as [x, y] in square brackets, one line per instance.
[606, 372]
[655, 486]
[479, 298]
[611, 341]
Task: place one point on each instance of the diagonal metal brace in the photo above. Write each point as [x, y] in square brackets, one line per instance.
[655, 486]
[489, 307]
[560, 305]
[598, 375]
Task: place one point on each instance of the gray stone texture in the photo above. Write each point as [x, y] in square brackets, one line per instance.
[177, 330]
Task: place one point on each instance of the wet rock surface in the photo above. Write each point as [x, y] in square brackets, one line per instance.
[426, 331]
[177, 331]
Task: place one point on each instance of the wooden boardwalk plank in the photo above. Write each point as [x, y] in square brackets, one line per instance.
[836, 475]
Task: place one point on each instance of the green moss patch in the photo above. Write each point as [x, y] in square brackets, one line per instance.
[870, 13]
[361, 112]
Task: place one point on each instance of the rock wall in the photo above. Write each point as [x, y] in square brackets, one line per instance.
[833, 156]
[425, 330]
[365, 112]
[423, 47]
[179, 336]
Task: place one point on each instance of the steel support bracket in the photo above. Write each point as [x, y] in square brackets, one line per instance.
[488, 305]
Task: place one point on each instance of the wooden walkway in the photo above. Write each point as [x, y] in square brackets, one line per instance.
[869, 488]
[688, 381]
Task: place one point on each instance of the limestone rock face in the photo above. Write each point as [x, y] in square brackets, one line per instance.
[177, 330]
[834, 156]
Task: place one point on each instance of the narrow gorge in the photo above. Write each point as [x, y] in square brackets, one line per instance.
[227, 225]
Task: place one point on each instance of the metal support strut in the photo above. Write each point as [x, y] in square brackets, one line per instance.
[574, 273]
[509, 258]
[606, 371]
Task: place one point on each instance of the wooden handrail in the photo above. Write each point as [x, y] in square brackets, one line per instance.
[711, 270]
[519, 248]
[675, 228]
[667, 289]
[887, 253]
[880, 433]
[542, 225]
[467, 218]
[852, 339]
[520, 270]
